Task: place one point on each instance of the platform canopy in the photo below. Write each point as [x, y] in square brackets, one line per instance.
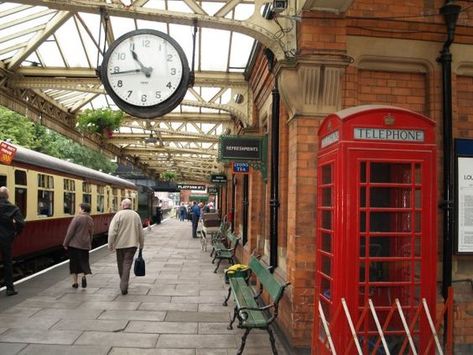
[50, 50]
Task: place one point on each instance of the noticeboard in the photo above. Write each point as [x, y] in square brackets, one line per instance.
[464, 195]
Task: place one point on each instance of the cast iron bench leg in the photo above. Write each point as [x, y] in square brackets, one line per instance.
[243, 341]
[225, 303]
[230, 326]
[218, 264]
[272, 340]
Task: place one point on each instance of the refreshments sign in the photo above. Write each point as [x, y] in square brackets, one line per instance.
[241, 148]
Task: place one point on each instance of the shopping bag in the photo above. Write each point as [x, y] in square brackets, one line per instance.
[139, 267]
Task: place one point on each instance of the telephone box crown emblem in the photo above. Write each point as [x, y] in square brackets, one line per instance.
[389, 119]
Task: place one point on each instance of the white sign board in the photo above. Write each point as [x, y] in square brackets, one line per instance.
[465, 205]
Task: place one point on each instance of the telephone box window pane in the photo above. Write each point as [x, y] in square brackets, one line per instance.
[326, 265]
[390, 172]
[418, 221]
[326, 309]
[327, 197]
[362, 196]
[390, 197]
[418, 173]
[390, 222]
[417, 246]
[362, 247]
[327, 174]
[325, 288]
[418, 198]
[327, 242]
[362, 221]
[327, 219]
[20, 177]
[363, 172]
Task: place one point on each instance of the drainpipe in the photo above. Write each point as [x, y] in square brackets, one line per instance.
[450, 13]
[274, 200]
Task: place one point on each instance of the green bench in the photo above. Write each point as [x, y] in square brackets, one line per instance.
[218, 239]
[246, 301]
[225, 250]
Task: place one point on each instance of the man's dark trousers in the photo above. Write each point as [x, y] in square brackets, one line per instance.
[5, 249]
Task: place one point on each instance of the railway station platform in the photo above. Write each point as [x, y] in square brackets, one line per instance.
[175, 309]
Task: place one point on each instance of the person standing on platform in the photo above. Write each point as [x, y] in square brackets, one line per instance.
[11, 224]
[182, 212]
[78, 242]
[125, 235]
[195, 210]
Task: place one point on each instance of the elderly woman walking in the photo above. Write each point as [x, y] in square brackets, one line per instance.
[78, 242]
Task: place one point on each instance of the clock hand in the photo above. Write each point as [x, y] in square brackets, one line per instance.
[146, 70]
[126, 71]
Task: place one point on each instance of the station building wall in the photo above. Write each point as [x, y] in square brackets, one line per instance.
[374, 53]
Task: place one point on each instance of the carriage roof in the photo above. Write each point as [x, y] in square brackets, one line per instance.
[28, 156]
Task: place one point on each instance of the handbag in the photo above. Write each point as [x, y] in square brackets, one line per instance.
[139, 267]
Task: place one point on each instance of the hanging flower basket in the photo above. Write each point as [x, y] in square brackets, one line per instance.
[102, 121]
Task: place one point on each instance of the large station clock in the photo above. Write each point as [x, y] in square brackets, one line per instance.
[146, 73]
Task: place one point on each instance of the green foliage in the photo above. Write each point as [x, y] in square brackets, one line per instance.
[99, 120]
[168, 176]
[22, 131]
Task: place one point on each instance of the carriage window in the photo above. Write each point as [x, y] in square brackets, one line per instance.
[3, 180]
[69, 196]
[115, 200]
[20, 199]
[100, 198]
[20, 177]
[45, 195]
[87, 193]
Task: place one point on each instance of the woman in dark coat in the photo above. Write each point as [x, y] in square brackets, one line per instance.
[78, 242]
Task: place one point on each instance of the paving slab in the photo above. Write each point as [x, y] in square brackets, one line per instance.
[40, 336]
[37, 349]
[162, 327]
[118, 339]
[179, 341]
[134, 351]
[87, 324]
[10, 349]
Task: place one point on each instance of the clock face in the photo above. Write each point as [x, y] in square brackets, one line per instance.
[146, 73]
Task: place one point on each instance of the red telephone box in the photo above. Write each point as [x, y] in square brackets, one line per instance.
[376, 226]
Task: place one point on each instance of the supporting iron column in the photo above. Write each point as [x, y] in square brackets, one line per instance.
[450, 12]
[274, 202]
[245, 204]
[274, 199]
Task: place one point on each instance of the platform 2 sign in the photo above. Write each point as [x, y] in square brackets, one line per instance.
[7, 153]
[191, 187]
[241, 168]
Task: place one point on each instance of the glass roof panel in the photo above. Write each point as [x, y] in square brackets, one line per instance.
[244, 11]
[49, 54]
[213, 40]
[121, 25]
[153, 25]
[69, 41]
[179, 6]
[155, 4]
[241, 49]
[183, 35]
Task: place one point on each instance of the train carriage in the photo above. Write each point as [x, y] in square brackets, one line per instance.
[49, 190]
